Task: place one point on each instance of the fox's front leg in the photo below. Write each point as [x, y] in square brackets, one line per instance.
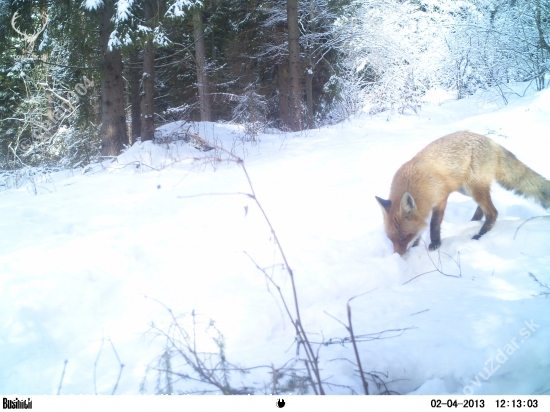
[435, 225]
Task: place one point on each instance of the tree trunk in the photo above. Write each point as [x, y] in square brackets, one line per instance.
[113, 118]
[543, 44]
[213, 10]
[295, 92]
[282, 83]
[148, 79]
[309, 97]
[309, 73]
[200, 58]
[135, 98]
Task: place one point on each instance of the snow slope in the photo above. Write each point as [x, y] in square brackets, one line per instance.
[84, 263]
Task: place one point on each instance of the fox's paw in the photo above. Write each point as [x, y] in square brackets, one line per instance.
[434, 245]
[476, 237]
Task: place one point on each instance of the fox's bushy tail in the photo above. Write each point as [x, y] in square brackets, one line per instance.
[516, 176]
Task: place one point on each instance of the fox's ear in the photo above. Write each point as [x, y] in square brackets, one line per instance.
[407, 206]
[386, 204]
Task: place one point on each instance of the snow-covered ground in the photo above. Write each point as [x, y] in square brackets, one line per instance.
[86, 261]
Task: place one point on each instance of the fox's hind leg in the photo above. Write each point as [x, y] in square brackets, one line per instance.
[467, 191]
[482, 196]
[478, 215]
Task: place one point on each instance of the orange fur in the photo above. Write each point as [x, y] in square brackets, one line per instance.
[460, 162]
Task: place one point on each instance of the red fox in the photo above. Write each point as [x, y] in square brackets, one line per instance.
[462, 162]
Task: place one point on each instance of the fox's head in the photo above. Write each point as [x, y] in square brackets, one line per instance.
[402, 222]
